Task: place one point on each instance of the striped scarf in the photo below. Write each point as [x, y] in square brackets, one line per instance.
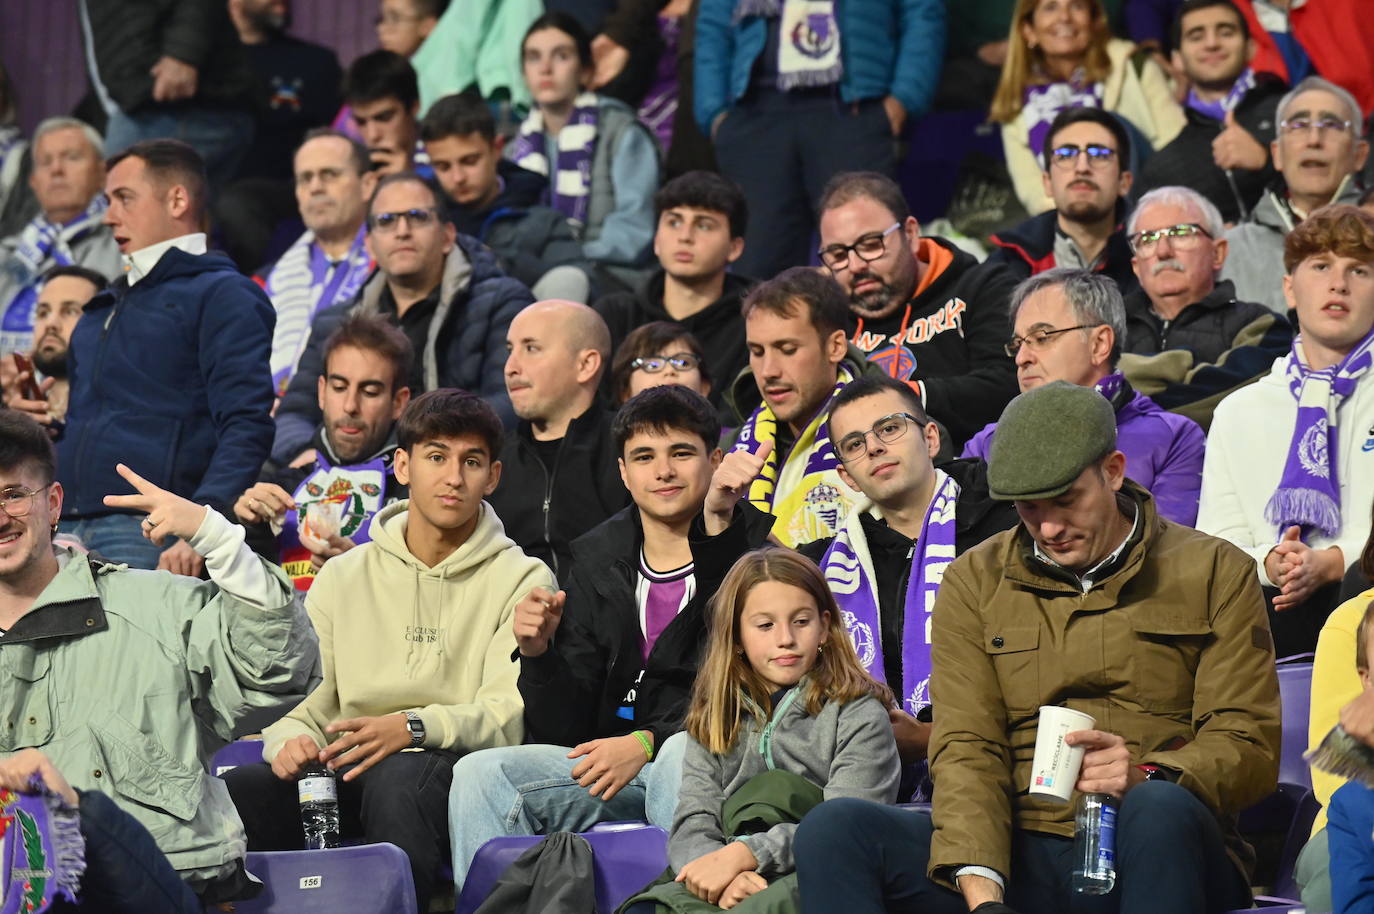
[570, 176]
[42, 245]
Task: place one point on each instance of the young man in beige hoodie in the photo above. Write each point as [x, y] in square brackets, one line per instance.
[416, 644]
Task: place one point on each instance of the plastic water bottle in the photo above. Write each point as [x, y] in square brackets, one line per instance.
[319, 799]
[1094, 845]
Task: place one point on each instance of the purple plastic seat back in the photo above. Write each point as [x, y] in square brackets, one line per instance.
[1295, 694]
[239, 752]
[626, 856]
[367, 879]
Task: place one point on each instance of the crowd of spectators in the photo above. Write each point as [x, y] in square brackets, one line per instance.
[589, 411]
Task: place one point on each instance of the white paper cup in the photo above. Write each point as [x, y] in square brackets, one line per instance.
[1054, 770]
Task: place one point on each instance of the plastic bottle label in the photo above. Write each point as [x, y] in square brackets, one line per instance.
[1106, 844]
[316, 790]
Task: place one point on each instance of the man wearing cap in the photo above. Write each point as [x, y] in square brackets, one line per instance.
[1093, 602]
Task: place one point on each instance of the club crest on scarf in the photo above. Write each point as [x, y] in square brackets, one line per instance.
[350, 495]
[42, 854]
[815, 35]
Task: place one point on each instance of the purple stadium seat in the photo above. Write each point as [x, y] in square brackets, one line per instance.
[1295, 694]
[368, 879]
[626, 857]
[239, 752]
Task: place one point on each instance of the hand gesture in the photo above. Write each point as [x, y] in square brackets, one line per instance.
[608, 764]
[168, 514]
[14, 387]
[729, 483]
[1235, 147]
[367, 740]
[173, 80]
[913, 736]
[17, 770]
[536, 619]
[263, 503]
[294, 755]
[741, 887]
[1300, 569]
[336, 545]
[388, 161]
[1106, 763]
[708, 876]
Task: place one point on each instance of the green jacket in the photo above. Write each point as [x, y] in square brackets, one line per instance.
[131, 680]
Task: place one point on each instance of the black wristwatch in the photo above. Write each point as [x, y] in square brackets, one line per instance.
[416, 728]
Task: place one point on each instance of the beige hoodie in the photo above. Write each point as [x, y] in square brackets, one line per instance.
[396, 635]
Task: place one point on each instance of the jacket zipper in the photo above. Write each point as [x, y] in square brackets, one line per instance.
[549, 476]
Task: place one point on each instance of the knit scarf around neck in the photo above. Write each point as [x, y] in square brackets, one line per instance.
[570, 175]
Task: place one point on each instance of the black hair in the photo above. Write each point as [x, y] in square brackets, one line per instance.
[403, 177]
[827, 306]
[357, 152]
[663, 407]
[650, 339]
[1189, 6]
[709, 191]
[377, 335]
[379, 75]
[565, 23]
[91, 276]
[433, 8]
[449, 413]
[169, 163]
[851, 185]
[1104, 119]
[460, 114]
[25, 444]
[870, 385]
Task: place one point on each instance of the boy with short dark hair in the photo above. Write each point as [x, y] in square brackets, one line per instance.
[416, 644]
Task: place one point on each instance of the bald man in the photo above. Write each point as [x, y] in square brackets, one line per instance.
[559, 476]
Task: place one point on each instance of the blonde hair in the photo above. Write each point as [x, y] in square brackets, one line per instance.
[1025, 65]
[726, 681]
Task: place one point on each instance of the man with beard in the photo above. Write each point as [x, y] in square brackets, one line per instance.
[302, 515]
[1085, 156]
[921, 309]
[64, 293]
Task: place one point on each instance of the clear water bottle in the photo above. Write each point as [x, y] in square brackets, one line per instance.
[319, 798]
[1094, 845]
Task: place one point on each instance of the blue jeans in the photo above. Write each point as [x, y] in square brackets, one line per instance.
[116, 538]
[220, 135]
[526, 790]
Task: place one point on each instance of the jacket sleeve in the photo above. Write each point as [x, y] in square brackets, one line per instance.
[235, 343]
[628, 230]
[920, 53]
[1233, 760]
[298, 413]
[493, 718]
[502, 299]
[970, 757]
[1219, 509]
[1178, 479]
[1335, 682]
[190, 30]
[1352, 853]
[968, 401]
[321, 707]
[711, 61]
[697, 827]
[865, 766]
[559, 247]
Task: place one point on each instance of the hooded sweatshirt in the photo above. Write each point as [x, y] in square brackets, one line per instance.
[397, 635]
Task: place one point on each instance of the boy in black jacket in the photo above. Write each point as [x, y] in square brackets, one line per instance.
[606, 666]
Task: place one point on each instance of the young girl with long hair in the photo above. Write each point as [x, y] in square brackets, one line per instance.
[782, 716]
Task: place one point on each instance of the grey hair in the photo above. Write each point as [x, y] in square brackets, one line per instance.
[51, 124]
[1326, 85]
[1093, 297]
[1180, 196]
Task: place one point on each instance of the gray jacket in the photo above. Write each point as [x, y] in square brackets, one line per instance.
[847, 749]
[1255, 259]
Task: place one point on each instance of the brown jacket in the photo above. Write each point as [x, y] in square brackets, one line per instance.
[1173, 648]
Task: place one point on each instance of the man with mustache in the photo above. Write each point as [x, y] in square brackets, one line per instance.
[1085, 160]
[1189, 341]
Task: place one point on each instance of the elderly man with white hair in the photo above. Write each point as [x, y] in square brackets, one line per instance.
[1319, 150]
[1189, 341]
[68, 178]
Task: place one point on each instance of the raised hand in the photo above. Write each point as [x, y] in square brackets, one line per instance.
[536, 619]
[262, 503]
[1235, 147]
[729, 483]
[168, 514]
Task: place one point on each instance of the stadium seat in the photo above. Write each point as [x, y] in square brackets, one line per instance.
[1295, 694]
[367, 879]
[239, 752]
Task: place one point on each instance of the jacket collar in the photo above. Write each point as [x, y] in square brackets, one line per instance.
[1223, 295]
[69, 606]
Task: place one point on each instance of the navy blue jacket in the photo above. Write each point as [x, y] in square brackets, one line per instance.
[476, 304]
[170, 377]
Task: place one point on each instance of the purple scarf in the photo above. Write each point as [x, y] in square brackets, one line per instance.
[1110, 386]
[1218, 110]
[1309, 495]
[42, 852]
[848, 569]
[1042, 103]
[570, 177]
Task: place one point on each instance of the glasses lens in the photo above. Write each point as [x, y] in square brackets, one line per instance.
[870, 247]
[853, 446]
[15, 502]
[1063, 155]
[652, 364]
[891, 428]
[683, 362]
[419, 217]
[1099, 155]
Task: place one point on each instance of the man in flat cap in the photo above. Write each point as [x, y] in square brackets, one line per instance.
[1096, 603]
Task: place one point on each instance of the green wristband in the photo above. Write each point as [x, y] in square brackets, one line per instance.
[644, 741]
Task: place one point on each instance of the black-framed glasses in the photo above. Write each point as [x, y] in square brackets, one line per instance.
[1185, 236]
[415, 218]
[887, 430]
[1037, 339]
[17, 501]
[1304, 123]
[869, 248]
[1066, 156]
[653, 364]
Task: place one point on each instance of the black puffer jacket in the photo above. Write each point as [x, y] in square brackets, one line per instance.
[1206, 328]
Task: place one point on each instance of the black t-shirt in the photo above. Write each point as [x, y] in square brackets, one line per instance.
[415, 325]
[299, 85]
[547, 452]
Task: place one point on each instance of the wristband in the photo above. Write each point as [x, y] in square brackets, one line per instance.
[644, 741]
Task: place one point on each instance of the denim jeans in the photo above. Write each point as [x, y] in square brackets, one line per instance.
[220, 135]
[116, 538]
[526, 790]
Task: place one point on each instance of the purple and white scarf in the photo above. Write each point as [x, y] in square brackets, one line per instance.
[42, 245]
[42, 851]
[1042, 103]
[1219, 109]
[808, 40]
[302, 283]
[1309, 495]
[848, 569]
[570, 177]
[1110, 386]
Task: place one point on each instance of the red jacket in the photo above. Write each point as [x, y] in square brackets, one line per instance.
[1338, 36]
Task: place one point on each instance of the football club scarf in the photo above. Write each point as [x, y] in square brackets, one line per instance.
[1042, 103]
[808, 40]
[570, 177]
[42, 851]
[1219, 109]
[339, 500]
[42, 245]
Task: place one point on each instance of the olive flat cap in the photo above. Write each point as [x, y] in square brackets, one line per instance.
[1045, 438]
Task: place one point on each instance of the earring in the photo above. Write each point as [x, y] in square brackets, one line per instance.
[820, 649]
[54, 528]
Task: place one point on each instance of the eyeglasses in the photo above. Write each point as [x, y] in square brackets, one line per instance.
[887, 430]
[1301, 124]
[17, 501]
[386, 223]
[869, 248]
[1184, 237]
[1039, 338]
[1066, 156]
[653, 364]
